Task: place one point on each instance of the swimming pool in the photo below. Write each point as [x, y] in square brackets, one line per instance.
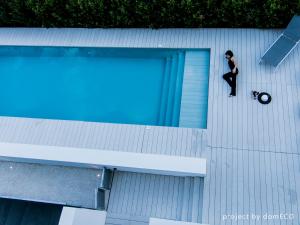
[116, 85]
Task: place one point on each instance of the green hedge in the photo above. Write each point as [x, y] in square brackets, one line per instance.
[147, 13]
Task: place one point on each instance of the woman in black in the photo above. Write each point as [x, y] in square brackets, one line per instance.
[231, 76]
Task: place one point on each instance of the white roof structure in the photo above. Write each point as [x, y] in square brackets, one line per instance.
[252, 150]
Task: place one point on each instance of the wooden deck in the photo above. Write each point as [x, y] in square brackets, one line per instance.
[137, 197]
[252, 150]
[105, 136]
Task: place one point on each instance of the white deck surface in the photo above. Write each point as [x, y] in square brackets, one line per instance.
[114, 137]
[252, 150]
[137, 197]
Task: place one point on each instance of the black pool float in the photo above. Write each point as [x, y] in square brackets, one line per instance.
[263, 97]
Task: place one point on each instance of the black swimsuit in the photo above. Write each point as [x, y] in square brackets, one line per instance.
[231, 77]
[231, 66]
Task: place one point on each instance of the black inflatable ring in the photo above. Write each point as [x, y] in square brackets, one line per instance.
[260, 98]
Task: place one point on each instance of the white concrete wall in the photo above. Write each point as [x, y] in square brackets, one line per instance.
[78, 216]
[157, 221]
[123, 161]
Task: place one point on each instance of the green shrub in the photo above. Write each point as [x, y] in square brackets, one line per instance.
[148, 13]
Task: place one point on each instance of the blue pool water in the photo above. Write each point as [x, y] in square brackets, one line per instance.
[118, 85]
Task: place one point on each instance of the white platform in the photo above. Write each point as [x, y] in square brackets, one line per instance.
[78, 216]
[156, 221]
[123, 161]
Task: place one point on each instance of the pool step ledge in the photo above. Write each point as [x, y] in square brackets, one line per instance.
[171, 90]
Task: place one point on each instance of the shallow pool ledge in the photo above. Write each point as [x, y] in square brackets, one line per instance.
[98, 158]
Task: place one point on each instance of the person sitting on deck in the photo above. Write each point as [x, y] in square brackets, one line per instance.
[230, 77]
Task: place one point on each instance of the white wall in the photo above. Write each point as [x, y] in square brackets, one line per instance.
[78, 216]
[157, 221]
[123, 161]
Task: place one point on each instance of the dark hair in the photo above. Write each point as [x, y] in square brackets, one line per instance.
[229, 52]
